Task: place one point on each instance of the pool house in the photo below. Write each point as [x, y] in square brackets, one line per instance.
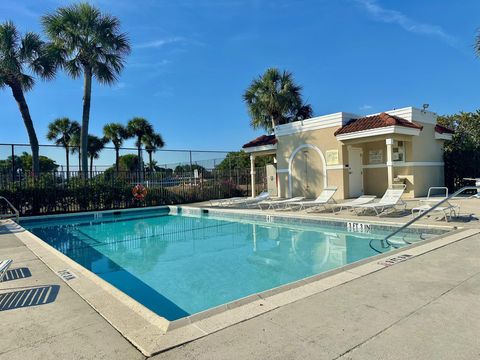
[357, 154]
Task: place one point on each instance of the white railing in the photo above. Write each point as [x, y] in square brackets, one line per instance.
[13, 208]
[423, 213]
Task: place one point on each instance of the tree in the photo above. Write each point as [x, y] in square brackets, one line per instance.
[241, 160]
[152, 143]
[45, 163]
[274, 99]
[61, 132]
[95, 146]
[93, 46]
[21, 58]
[139, 128]
[115, 133]
[462, 154]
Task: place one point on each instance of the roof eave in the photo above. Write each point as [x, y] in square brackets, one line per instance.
[262, 148]
[387, 130]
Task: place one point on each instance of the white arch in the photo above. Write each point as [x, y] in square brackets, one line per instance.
[290, 161]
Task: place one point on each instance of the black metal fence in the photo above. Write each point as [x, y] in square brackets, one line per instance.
[51, 192]
[54, 157]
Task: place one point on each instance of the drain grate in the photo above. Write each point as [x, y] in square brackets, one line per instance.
[395, 260]
[66, 275]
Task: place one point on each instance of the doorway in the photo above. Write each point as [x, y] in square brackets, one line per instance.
[355, 172]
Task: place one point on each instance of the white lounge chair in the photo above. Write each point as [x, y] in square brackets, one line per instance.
[248, 202]
[362, 200]
[322, 201]
[389, 201]
[447, 209]
[278, 204]
[4, 265]
[226, 201]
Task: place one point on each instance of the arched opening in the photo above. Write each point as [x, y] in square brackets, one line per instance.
[307, 172]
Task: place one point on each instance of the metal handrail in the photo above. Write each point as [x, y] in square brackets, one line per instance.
[418, 217]
[17, 213]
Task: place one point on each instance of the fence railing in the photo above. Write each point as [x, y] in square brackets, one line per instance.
[58, 192]
[17, 157]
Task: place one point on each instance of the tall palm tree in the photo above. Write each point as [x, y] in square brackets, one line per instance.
[139, 128]
[61, 132]
[93, 46]
[152, 143]
[274, 99]
[115, 133]
[21, 58]
[75, 148]
[95, 146]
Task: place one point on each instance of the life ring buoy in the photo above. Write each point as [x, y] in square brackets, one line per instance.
[139, 192]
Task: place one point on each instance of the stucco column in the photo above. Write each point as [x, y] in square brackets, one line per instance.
[389, 143]
[252, 173]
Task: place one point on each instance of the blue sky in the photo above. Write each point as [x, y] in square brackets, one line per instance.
[192, 60]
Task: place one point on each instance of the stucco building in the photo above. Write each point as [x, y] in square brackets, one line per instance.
[358, 154]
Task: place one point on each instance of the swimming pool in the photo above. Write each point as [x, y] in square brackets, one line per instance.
[178, 263]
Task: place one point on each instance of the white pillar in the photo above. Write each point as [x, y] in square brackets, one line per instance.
[389, 143]
[252, 173]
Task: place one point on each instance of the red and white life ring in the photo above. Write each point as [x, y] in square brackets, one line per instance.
[139, 192]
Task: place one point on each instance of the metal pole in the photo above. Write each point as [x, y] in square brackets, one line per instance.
[191, 167]
[13, 163]
[418, 217]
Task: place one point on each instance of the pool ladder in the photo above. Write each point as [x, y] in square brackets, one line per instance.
[387, 241]
[16, 213]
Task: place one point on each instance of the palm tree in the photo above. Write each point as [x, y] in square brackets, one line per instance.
[274, 99]
[75, 148]
[61, 132]
[152, 143]
[95, 146]
[93, 46]
[115, 133]
[139, 128]
[20, 59]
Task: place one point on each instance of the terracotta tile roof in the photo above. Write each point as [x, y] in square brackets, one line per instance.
[375, 121]
[443, 130]
[261, 141]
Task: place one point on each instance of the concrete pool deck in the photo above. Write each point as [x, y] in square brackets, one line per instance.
[364, 317]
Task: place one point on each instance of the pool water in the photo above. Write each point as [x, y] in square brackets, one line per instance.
[177, 265]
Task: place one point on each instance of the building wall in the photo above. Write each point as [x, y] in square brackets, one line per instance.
[323, 140]
[426, 147]
[422, 148]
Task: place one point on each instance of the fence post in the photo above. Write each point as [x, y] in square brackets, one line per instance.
[13, 162]
[191, 167]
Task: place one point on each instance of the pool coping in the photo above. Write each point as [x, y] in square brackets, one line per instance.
[152, 334]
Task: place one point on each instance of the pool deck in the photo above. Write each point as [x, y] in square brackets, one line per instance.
[425, 307]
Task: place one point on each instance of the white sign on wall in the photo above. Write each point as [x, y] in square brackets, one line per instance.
[375, 156]
[332, 157]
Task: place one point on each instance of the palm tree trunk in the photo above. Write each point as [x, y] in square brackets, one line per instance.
[150, 161]
[17, 92]
[67, 155]
[140, 178]
[87, 93]
[117, 158]
[91, 166]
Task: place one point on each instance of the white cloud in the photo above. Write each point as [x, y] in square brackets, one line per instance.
[382, 14]
[365, 107]
[160, 42]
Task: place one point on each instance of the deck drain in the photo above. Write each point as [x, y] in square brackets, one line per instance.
[395, 260]
[66, 275]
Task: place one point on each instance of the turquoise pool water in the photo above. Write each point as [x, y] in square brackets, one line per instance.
[177, 265]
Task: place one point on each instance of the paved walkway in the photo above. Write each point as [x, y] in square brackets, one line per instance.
[58, 324]
[426, 307]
